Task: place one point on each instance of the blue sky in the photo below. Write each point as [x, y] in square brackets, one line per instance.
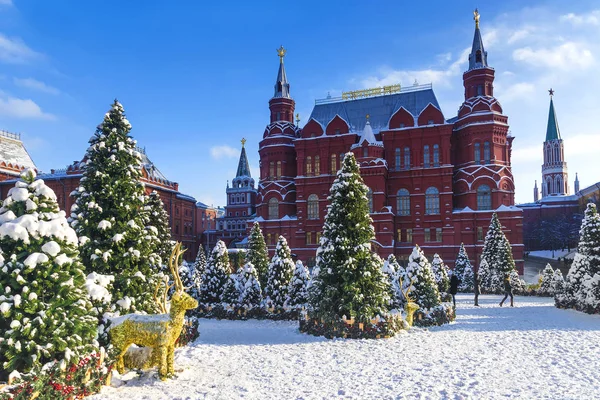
[196, 77]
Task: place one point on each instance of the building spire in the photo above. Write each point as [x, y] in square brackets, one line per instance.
[552, 132]
[243, 168]
[576, 183]
[282, 86]
[478, 56]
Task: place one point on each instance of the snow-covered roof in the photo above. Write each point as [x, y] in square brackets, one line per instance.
[12, 151]
[149, 166]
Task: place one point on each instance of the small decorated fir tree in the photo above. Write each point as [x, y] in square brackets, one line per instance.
[440, 271]
[200, 262]
[298, 288]
[419, 277]
[258, 254]
[558, 283]
[158, 226]
[497, 252]
[232, 290]
[280, 273]
[350, 281]
[215, 277]
[45, 312]
[464, 270]
[390, 269]
[547, 281]
[190, 278]
[249, 286]
[489, 280]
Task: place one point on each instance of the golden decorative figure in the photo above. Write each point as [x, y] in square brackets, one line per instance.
[243, 141]
[368, 116]
[411, 307]
[281, 53]
[476, 18]
[158, 332]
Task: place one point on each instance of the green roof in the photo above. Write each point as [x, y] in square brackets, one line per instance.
[552, 132]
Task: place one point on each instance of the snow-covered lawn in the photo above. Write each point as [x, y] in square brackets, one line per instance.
[532, 351]
[557, 253]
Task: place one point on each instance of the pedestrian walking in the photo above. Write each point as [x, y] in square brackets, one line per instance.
[454, 282]
[476, 288]
[508, 291]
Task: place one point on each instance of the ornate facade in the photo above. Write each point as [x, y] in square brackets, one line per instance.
[433, 181]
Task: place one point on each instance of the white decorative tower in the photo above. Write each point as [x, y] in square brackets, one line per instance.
[554, 170]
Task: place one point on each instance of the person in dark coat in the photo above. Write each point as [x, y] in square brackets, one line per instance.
[508, 291]
[476, 288]
[454, 282]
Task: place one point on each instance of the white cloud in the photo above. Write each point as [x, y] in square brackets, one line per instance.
[224, 151]
[34, 84]
[567, 56]
[518, 36]
[23, 109]
[592, 18]
[517, 91]
[6, 3]
[15, 51]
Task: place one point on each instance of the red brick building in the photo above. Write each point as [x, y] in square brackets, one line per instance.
[433, 181]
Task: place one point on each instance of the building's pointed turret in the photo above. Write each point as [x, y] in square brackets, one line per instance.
[576, 183]
[478, 56]
[243, 168]
[282, 86]
[536, 192]
[281, 104]
[552, 131]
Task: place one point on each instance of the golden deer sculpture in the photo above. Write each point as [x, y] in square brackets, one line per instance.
[159, 331]
[411, 307]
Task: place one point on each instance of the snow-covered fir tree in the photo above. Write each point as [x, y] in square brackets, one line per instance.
[108, 213]
[257, 253]
[45, 313]
[440, 272]
[464, 270]
[280, 274]
[200, 262]
[518, 285]
[249, 287]
[158, 226]
[547, 281]
[558, 283]
[419, 277]
[497, 252]
[351, 282]
[390, 269]
[215, 276]
[232, 290]
[190, 278]
[298, 287]
[489, 279]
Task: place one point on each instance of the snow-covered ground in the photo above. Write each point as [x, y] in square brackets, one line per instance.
[532, 351]
[548, 254]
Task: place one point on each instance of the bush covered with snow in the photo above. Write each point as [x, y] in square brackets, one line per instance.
[464, 270]
[546, 287]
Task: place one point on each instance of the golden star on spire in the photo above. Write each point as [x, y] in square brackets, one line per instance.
[243, 141]
[476, 18]
[281, 53]
[551, 91]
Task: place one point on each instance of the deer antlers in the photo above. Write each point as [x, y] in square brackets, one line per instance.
[161, 301]
[406, 292]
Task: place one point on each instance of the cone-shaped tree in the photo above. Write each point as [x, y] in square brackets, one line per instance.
[558, 283]
[158, 225]
[497, 251]
[547, 281]
[280, 273]
[191, 279]
[108, 213]
[45, 313]
[232, 290]
[250, 291]
[490, 280]
[464, 270]
[258, 254]
[440, 271]
[215, 276]
[298, 288]
[200, 262]
[390, 269]
[419, 277]
[350, 281]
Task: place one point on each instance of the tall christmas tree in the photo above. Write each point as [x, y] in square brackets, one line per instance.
[258, 254]
[464, 270]
[440, 271]
[419, 277]
[298, 287]
[215, 277]
[45, 313]
[351, 282]
[250, 291]
[497, 252]
[280, 273]
[158, 224]
[108, 213]
[547, 281]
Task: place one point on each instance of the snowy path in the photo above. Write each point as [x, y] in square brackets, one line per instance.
[532, 351]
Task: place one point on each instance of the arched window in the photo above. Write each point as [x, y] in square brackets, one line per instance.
[484, 197]
[548, 186]
[426, 156]
[397, 159]
[313, 206]
[278, 169]
[436, 155]
[370, 199]
[432, 201]
[365, 152]
[232, 199]
[273, 208]
[333, 164]
[477, 153]
[558, 184]
[486, 152]
[317, 165]
[556, 154]
[271, 170]
[478, 56]
[406, 158]
[309, 166]
[403, 202]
